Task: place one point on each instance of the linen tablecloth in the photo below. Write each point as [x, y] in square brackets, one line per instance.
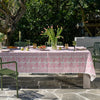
[51, 61]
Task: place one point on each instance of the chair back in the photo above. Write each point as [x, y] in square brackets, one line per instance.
[97, 48]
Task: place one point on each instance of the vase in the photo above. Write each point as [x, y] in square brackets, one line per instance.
[54, 46]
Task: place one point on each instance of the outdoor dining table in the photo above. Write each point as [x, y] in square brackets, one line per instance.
[53, 61]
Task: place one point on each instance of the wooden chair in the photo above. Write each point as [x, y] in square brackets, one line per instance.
[96, 52]
[8, 72]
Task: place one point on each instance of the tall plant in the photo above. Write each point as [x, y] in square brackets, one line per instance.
[53, 36]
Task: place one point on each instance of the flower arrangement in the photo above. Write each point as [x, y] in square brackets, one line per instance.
[52, 36]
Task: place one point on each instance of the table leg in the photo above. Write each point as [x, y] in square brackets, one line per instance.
[80, 75]
[86, 81]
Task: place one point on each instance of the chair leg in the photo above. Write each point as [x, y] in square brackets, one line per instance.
[1, 82]
[17, 85]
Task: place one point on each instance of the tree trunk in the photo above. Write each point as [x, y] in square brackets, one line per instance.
[9, 37]
[9, 19]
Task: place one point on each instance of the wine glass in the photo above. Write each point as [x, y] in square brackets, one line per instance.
[74, 44]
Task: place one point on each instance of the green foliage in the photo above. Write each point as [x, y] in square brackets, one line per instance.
[44, 13]
[1, 37]
[74, 43]
[12, 5]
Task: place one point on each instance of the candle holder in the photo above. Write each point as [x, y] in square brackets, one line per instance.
[74, 48]
[28, 42]
[34, 45]
[19, 35]
[66, 46]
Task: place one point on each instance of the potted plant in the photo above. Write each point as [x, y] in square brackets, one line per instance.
[53, 35]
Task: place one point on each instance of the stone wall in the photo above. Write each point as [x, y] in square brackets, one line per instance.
[44, 82]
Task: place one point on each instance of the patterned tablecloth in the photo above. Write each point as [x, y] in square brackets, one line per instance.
[51, 61]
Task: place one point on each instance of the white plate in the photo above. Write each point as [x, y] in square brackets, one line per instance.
[5, 50]
[80, 48]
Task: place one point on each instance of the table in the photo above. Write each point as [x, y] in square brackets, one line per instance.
[53, 61]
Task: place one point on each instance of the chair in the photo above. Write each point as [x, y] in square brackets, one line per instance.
[8, 72]
[96, 52]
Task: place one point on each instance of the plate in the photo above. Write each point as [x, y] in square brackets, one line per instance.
[81, 48]
[5, 50]
[44, 49]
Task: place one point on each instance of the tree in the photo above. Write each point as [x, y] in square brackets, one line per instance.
[11, 12]
[44, 13]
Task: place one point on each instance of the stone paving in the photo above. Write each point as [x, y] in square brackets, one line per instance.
[51, 94]
[67, 93]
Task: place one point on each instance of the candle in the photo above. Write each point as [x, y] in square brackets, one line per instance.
[19, 35]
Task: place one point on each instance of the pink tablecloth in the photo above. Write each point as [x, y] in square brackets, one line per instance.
[51, 61]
